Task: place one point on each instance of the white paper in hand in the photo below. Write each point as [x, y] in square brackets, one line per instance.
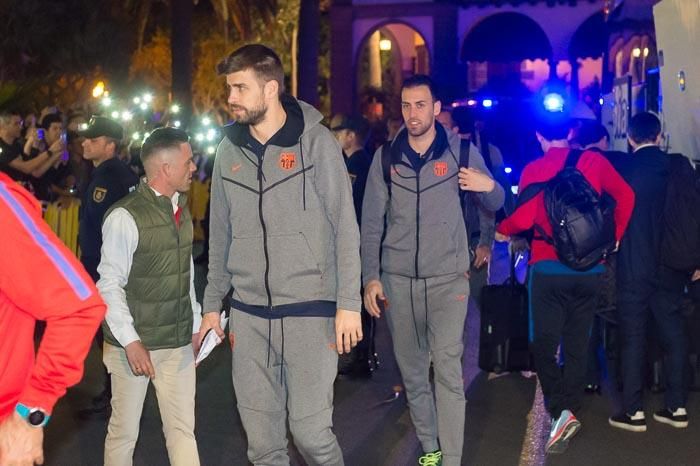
[211, 340]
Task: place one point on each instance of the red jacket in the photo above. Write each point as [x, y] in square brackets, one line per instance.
[40, 279]
[599, 173]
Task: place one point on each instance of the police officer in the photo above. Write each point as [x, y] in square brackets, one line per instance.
[110, 181]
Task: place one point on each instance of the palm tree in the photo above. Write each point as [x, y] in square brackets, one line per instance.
[309, 26]
[243, 15]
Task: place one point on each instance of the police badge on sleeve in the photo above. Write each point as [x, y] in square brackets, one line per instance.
[99, 194]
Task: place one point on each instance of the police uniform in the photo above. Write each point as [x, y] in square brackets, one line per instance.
[110, 181]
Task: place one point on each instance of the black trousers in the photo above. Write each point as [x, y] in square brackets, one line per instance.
[562, 306]
[636, 303]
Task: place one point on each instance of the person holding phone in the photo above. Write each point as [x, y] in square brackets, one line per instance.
[47, 180]
[22, 163]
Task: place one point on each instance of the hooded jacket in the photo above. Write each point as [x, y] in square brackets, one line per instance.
[283, 227]
[425, 231]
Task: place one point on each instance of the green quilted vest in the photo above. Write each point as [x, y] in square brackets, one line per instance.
[158, 288]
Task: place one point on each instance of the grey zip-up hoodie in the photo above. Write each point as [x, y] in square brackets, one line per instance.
[283, 231]
[425, 230]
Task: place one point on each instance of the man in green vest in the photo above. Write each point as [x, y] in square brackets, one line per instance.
[147, 282]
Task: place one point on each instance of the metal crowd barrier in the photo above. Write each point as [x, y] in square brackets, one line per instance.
[62, 217]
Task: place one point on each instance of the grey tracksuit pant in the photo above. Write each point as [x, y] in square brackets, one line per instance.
[426, 319]
[297, 383]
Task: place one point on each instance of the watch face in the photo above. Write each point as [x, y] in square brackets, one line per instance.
[36, 417]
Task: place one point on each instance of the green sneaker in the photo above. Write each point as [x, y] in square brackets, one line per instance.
[431, 459]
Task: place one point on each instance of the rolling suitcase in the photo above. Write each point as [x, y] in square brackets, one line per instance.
[504, 335]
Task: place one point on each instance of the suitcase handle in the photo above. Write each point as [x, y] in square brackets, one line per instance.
[514, 259]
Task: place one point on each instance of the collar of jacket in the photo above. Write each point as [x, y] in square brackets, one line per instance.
[162, 201]
[287, 136]
[441, 144]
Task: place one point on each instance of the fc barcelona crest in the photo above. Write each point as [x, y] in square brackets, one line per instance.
[288, 160]
[440, 168]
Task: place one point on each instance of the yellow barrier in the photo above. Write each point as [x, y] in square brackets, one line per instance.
[62, 217]
[198, 200]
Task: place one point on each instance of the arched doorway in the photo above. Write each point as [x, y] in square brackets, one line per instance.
[388, 55]
[509, 48]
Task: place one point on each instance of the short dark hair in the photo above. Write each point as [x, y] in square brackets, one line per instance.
[420, 80]
[553, 126]
[7, 114]
[591, 132]
[264, 62]
[162, 138]
[463, 119]
[50, 119]
[644, 127]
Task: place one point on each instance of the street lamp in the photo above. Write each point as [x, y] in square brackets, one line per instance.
[385, 45]
[98, 90]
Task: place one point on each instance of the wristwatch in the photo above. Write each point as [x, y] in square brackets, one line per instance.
[35, 417]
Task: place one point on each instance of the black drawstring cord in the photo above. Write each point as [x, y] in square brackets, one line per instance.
[269, 340]
[425, 299]
[282, 362]
[303, 175]
[413, 312]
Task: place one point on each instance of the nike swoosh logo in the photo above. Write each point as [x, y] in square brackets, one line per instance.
[235, 168]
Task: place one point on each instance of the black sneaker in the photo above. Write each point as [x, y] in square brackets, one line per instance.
[100, 407]
[677, 418]
[634, 423]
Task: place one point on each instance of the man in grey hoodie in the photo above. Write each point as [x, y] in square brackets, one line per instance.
[424, 264]
[285, 238]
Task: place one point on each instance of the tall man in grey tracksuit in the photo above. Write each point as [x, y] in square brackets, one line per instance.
[421, 278]
[283, 234]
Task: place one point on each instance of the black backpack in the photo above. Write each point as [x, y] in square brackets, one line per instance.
[583, 226]
[680, 242]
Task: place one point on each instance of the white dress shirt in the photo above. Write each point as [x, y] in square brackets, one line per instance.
[120, 237]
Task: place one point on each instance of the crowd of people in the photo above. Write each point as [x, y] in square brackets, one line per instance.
[312, 238]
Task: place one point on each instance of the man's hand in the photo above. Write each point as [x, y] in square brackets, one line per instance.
[20, 443]
[56, 148]
[471, 179]
[374, 291]
[501, 238]
[348, 330]
[482, 256]
[211, 320]
[519, 244]
[139, 359]
[696, 275]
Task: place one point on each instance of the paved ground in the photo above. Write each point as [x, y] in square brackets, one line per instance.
[506, 424]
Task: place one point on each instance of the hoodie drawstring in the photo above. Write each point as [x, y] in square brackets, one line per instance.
[413, 310]
[269, 341]
[303, 174]
[282, 356]
[269, 346]
[425, 302]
